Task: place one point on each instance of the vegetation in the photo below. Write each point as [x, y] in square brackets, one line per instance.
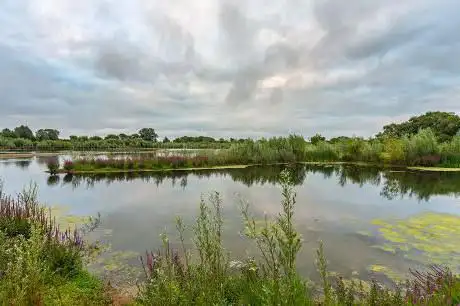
[22, 138]
[400, 143]
[421, 149]
[39, 263]
[444, 126]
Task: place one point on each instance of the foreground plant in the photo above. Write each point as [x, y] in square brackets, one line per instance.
[206, 275]
[39, 263]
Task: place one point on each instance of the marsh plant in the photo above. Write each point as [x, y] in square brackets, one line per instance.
[40, 264]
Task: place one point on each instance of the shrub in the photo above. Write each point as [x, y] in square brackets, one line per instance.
[13, 227]
[39, 264]
[63, 258]
[53, 166]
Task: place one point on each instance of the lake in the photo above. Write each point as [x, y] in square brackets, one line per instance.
[372, 221]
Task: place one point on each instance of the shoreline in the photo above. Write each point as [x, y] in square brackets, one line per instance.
[244, 166]
[102, 171]
[434, 169]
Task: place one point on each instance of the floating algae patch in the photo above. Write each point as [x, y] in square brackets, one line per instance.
[66, 220]
[430, 238]
[386, 271]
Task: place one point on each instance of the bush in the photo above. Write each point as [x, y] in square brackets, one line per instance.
[39, 264]
[13, 227]
[63, 258]
[53, 166]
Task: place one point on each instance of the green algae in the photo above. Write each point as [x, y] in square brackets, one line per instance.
[64, 219]
[427, 238]
[388, 272]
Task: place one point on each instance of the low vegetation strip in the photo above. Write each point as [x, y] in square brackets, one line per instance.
[419, 150]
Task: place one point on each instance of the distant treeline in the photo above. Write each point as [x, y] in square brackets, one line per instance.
[23, 138]
[442, 127]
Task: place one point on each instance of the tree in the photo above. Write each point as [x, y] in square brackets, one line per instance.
[24, 131]
[443, 124]
[8, 133]
[73, 138]
[166, 140]
[95, 138]
[148, 134]
[339, 139]
[111, 136]
[317, 139]
[47, 134]
[123, 136]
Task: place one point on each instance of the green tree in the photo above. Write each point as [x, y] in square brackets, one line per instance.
[112, 136]
[166, 140]
[47, 134]
[8, 133]
[95, 138]
[123, 136]
[444, 125]
[24, 131]
[317, 139]
[339, 139]
[148, 134]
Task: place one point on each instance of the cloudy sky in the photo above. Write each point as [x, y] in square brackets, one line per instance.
[226, 67]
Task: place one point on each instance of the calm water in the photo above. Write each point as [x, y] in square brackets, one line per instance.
[337, 204]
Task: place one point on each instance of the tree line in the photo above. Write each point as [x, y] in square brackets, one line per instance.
[443, 125]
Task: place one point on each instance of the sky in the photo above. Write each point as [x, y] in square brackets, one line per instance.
[226, 68]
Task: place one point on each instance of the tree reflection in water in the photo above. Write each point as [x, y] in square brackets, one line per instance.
[394, 182]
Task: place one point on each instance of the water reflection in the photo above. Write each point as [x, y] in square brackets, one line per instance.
[44, 160]
[22, 164]
[393, 183]
[53, 180]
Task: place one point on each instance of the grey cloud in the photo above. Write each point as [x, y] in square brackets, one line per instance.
[168, 50]
[152, 69]
[237, 30]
